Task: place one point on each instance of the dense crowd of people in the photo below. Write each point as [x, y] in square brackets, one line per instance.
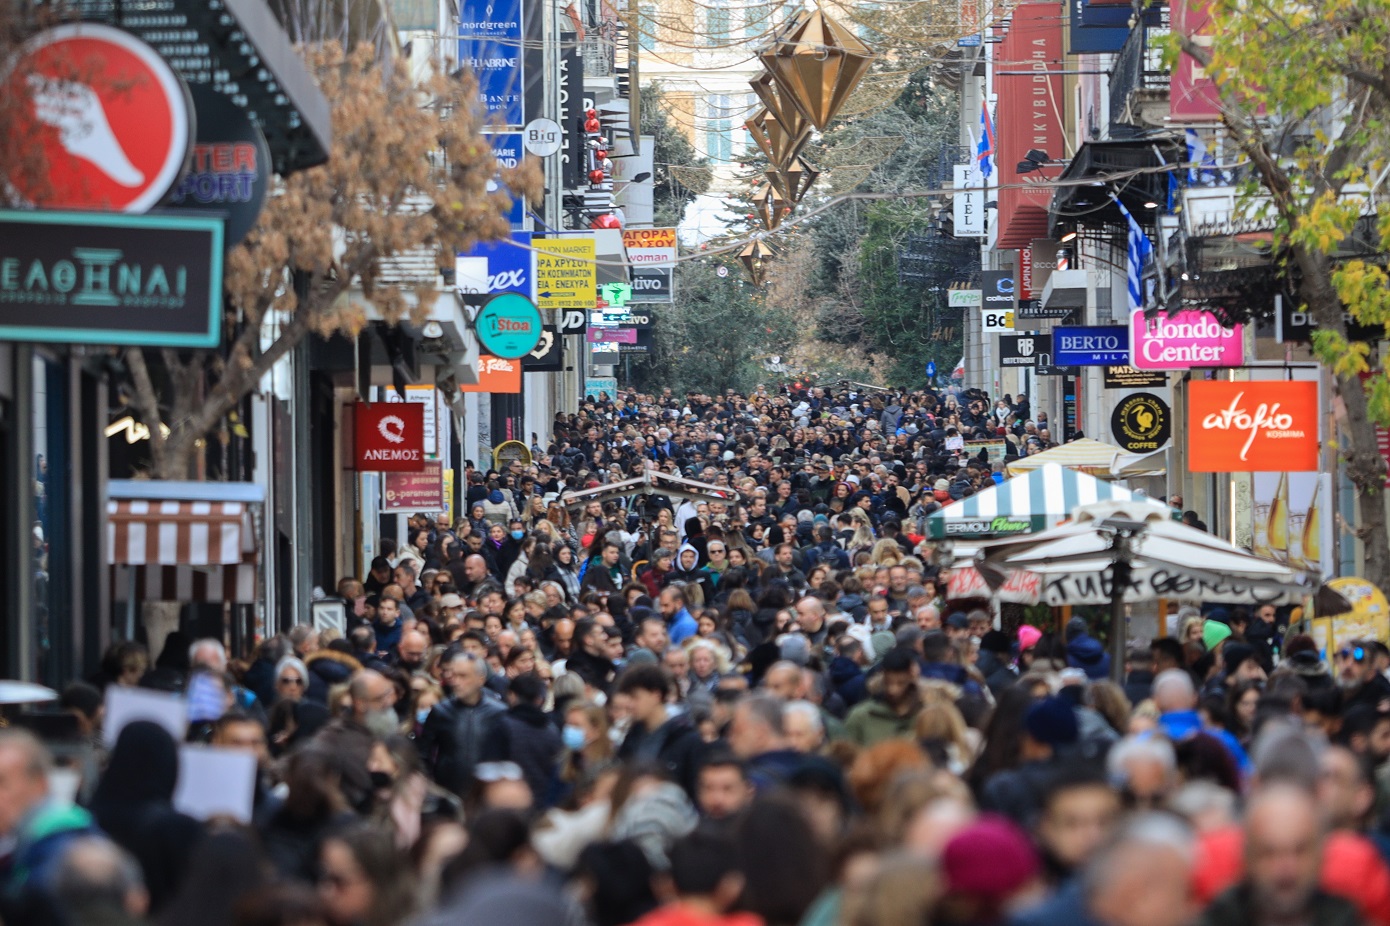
[750, 701]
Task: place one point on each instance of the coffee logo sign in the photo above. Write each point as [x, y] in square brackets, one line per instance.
[1141, 423]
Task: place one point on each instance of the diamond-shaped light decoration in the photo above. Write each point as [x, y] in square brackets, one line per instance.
[816, 66]
[793, 181]
[755, 258]
[772, 138]
[770, 207]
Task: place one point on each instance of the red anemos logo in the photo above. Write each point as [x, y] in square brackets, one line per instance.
[112, 119]
[390, 437]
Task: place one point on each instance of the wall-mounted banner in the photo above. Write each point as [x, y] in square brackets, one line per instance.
[508, 267]
[1127, 377]
[548, 355]
[566, 272]
[390, 437]
[1251, 427]
[612, 336]
[109, 278]
[1092, 346]
[1023, 350]
[496, 375]
[968, 203]
[422, 491]
[509, 149]
[230, 171]
[1141, 423]
[490, 46]
[1188, 339]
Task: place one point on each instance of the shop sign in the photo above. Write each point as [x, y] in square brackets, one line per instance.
[612, 336]
[506, 266]
[509, 326]
[230, 171]
[496, 375]
[390, 437]
[977, 526]
[567, 272]
[1141, 423]
[507, 147]
[968, 202]
[1127, 377]
[963, 298]
[549, 354]
[1252, 427]
[1191, 338]
[109, 117]
[490, 47]
[508, 452]
[1000, 300]
[1020, 350]
[422, 491]
[103, 278]
[1090, 346]
[596, 384]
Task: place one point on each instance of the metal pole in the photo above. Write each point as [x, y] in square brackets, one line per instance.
[1119, 574]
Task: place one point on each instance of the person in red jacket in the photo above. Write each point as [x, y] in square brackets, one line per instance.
[703, 884]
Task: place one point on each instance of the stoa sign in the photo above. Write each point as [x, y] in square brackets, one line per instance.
[509, 326]
[110, 121]
[390, 437]
[1252, 427]
[1191, 338]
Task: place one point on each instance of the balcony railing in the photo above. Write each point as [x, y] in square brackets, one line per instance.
[1139, 66]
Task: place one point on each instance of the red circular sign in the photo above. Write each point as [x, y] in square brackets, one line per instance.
[111, 120]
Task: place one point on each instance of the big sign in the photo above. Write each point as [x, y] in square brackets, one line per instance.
[1252, 427]
[111, 122]
[390, 437]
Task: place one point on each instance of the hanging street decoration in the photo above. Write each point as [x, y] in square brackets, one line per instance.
[770, 207]
[816, 66]
[755, 257]
[795, 180]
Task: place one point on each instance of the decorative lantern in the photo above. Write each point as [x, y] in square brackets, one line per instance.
[769, 207]
[755, 258]
[794, 181]
[816, 66]
[772, 138]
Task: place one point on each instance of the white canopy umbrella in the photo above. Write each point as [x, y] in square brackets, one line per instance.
[1154, 557]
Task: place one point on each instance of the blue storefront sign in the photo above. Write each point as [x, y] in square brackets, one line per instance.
[490, 46]
[508, 148]
[1091, 346]
[511, 266]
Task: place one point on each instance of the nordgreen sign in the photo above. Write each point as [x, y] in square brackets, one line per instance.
[508, 326]
[111, 278]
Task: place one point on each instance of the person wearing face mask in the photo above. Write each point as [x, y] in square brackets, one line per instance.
[371, 715]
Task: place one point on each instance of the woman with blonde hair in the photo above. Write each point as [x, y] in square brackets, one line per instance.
[886, 552]
[943, 735]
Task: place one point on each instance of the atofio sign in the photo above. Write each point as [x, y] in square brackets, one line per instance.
[1191, 338]
[1252, 427]
[390, 437]
[509, 326]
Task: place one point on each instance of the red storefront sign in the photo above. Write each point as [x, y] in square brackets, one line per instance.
[422, 491]
[390, 437]
[1193, 95]
[1028, 117]
[496, 375]
[1252, 427]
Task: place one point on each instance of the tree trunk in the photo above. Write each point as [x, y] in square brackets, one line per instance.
[1361, 452]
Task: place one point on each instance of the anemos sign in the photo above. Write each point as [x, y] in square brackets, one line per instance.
[1252, 427]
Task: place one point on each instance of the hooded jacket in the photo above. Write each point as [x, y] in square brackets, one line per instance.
[1084, 652]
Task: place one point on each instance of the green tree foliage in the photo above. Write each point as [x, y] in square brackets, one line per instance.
[1305, 93]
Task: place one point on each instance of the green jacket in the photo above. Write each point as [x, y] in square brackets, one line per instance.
[1234, 908]
[873, 721]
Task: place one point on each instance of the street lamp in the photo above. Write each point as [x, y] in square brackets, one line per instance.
[1122, 533]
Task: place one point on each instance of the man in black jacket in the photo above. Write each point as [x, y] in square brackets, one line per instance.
[655, 736]
[452, 739]
[525, 735]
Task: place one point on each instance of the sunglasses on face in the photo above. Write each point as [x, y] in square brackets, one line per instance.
[291, 680]
[1358, 654]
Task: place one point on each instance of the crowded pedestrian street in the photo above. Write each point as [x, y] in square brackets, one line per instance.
[759, 699]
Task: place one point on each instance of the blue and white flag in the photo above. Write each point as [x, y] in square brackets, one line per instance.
[984, 148]
[1140, 253]
[1201, 163]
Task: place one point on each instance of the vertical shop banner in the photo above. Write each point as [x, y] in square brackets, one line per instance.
[1028, 118]
[571, 109]
[651, 258]
[1194, 97]
[1252, 427]
[490, 46]
[968, 202]
[390, 437]
[508, 148]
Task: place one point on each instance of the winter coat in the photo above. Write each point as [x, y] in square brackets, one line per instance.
[847, 680]
[328, 668]
[452, 739]
[676, 744]
[498, 507]
[873, 721]
[1084, 652]
[525, 735]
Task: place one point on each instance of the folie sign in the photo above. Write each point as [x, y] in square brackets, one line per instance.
[1191, 338]
[1252, 427]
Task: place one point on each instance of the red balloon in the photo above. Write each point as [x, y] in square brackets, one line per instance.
[596, 176]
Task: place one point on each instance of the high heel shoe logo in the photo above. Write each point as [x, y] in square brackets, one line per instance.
[110, 116]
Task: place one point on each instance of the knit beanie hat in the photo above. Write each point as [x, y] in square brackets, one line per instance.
[1028, 636]
[990, 859]
[1213, 632]
[1052, 721]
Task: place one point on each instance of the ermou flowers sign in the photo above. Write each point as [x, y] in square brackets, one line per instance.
[1252, 427]
[1191, 338]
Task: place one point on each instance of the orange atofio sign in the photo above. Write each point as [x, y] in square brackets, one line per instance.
[1258, 427]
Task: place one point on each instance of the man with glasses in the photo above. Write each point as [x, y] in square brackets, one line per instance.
[1361, 683]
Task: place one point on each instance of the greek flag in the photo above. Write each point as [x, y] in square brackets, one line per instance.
[1140, 253]
[1201, 163]
[984, 148]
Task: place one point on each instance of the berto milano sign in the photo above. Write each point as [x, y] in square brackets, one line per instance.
[108, 278]
[1095, 346]
[1252, 427]
[390, 437]
[1188, 339]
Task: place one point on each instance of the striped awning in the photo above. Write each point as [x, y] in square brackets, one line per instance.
[236, 584]
[1024, 504]
[177, 533]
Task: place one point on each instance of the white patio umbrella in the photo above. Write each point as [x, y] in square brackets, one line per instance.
[1152, 556]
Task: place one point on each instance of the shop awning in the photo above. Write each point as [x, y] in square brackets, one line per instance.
[1091, 203]
[1032, 502]
[182, 541]
[1089, 456]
